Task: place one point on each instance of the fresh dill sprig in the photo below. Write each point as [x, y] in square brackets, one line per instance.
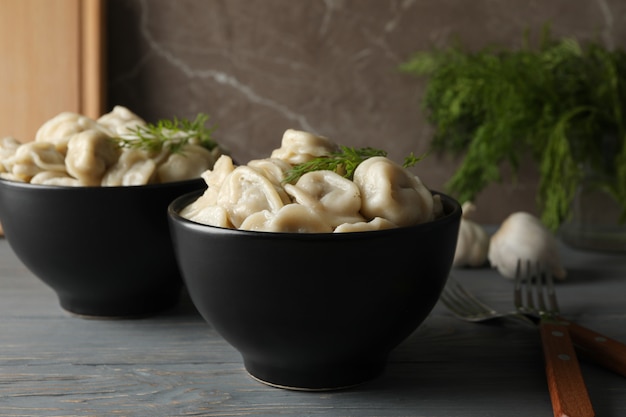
[174, 134]
[344, 162]
[412, 160]
[562, 102]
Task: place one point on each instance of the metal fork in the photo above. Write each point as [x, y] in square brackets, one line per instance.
[464, 305]
[534, 294]
[591, 345]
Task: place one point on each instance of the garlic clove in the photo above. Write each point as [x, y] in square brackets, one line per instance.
[473, 241]
[523, 236]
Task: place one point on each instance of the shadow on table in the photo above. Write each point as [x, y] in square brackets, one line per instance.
[184, 307]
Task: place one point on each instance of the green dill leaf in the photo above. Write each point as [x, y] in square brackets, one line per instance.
[412, 160]
[344, 162]
[562, 102]
[173, 134]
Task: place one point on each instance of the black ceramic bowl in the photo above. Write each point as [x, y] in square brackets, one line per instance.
[105, 251]
[315, 311]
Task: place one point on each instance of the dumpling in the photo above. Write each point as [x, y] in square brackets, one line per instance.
[62, 127]
[120, 121]
[10, 177]
[8, 147]
[33, 157]
[438, 210]
[378, 223]
[205, 209]
[55, 178]
[89, 154]
[335, 198]
[134, 167]
[245, 192]
[214, 178]
[392, 192]
[298, 147]
[212, 215]
[291, 218]
[273, 168]
[190, 163]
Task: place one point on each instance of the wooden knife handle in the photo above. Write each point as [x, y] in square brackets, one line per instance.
[599, 348]
[565, 381]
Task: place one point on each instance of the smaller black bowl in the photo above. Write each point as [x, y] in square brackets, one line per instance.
[315, 311]
[105, 251]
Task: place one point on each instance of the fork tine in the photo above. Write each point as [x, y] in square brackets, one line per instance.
[464, 305]
[600, 348]
[524, 288]
[534, 290]
[530, 288]
[471, 300]
[451, 298]
[545, 291]
[448, 297]
[517, 292]
[540, 287]
[461, 301]
[552, 300]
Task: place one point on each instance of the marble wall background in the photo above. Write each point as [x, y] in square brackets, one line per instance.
[259, 67]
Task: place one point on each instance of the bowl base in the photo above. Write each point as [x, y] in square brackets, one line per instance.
[331, 377]
[128, 308]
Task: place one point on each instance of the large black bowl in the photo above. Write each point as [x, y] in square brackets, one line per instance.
[315, 311]
[105, 251]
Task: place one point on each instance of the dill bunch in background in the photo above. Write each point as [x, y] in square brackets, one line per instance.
[564, 102]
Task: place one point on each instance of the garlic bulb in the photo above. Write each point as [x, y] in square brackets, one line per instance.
[522, 236]
[473, 242]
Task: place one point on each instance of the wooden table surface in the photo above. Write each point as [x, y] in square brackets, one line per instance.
[55, 364]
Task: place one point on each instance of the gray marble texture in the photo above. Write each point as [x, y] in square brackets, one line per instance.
[259, 67]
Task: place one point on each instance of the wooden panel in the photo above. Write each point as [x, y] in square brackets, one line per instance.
[91, 59]
[50, 61]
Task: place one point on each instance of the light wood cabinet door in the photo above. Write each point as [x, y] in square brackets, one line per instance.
[51, 60]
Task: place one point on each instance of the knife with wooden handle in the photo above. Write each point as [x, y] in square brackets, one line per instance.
[593, 346]
[598, 348]
[568, 391]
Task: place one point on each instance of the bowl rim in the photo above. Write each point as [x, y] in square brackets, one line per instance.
[174, 208]
[11, 183]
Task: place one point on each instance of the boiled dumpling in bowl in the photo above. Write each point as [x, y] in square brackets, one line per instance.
[273, 169]
[392, 192]
[377, 223]
[120, 121]
[245, 191]
[189, 163]
[8, 147]
[117, 149]
[89, 154]
[134, 167]
[335, 198]
[32, 158]
[55, 178]
[298, 146]
[62, 127]
[290, 218]
[330, 188]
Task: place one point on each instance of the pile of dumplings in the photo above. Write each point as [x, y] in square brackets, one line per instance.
[381, 194]
[74, 150]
